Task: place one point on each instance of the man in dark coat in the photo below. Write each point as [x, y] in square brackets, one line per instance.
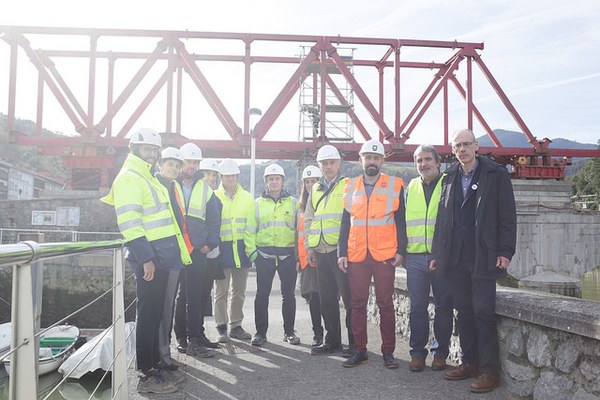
[475, 239]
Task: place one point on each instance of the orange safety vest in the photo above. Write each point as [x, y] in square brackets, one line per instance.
[302, 253]
[372, 224]
[184, 230]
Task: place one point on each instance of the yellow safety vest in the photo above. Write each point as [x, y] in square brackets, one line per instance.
[420, 217]
[327, 219]
[200, 195]
[142, 205]
[276, 222]
[238, 220]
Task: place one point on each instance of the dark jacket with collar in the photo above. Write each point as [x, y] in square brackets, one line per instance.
[495, 219]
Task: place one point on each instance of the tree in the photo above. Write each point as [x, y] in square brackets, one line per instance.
[587, 180]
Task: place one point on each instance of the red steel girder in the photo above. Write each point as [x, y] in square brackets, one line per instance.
[174, 47]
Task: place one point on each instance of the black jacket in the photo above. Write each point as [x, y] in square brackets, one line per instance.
[495, 220]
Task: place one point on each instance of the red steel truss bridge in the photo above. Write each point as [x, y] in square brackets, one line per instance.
[106, 81]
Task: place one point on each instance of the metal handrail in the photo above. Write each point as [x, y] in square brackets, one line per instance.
[29, 251]
[21, 257]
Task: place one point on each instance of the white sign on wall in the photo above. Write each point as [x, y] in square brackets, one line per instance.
[67, 216]
[43, 218]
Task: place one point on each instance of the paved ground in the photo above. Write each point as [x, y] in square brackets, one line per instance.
[282, 371]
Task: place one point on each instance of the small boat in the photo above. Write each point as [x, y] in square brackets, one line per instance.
[56, 344]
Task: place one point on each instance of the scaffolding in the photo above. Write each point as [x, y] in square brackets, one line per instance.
[339, 100]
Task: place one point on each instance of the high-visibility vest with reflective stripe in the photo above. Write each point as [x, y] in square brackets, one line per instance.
[142, 205]
[372, 223]
[198, 198]
[302, 252]
[327, 219]
[181, 204]
[420, 217]
[276, 222]
[238, 220]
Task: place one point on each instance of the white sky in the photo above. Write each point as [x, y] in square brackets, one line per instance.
[544, 54]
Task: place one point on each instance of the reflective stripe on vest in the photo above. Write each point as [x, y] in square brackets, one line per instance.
[420, 217]
[372, 223]
[327, 218]
[276, 222]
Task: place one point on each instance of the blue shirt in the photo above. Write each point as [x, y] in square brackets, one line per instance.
[465, 179]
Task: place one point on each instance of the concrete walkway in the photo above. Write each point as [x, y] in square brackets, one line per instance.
[279, 370]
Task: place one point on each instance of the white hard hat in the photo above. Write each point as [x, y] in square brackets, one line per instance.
[145, 136]
[209, 165]
[328, 152]
[274, 169]
[373, 146]
[228, 167]
[311, 171]
[171, 152]
[191, 151]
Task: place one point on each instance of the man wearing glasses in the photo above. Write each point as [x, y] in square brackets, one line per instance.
[475, 239]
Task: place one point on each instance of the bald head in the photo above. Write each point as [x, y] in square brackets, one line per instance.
[464, 132]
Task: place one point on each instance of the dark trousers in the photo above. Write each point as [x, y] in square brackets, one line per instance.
[195, 283]
[333, 283]
[475, 301]
[314, 305]
[265, 273]
[359, 278]
[150, 302]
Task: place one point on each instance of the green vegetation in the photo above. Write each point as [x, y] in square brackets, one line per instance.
[586, 182]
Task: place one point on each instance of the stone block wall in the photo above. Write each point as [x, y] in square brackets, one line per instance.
[549, 344]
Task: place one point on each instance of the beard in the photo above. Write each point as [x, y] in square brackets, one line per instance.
[372, 170]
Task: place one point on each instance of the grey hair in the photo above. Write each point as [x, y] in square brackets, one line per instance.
[470, 132]
[429, 149]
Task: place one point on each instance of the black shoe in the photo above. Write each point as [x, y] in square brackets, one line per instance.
[317, 340]
[208, 344]
[291, 338]
[258, 340]
[348, 351]
[324, 349]
[389, 361]
[358, 358]
[182, 348]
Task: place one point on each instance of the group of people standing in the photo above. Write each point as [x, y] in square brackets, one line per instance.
[454, 232]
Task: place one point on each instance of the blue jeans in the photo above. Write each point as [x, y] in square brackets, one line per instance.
[419, 280]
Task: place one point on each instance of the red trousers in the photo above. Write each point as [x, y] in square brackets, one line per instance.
[359, 278]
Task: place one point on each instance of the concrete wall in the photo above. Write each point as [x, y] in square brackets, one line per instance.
[94, 216]
[549, 344]
[551, 235]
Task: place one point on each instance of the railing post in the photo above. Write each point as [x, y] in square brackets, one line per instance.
[23, 381]
[119, 373]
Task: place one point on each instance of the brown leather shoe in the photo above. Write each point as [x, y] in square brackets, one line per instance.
[486, 382]
[464, 371]
[438, 364]
[417, 364]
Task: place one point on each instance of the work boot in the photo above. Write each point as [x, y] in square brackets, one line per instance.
[416, 364]
[197, 349]
[155, 384]
[222, 331]
[485, 383]
[291, 338]
[438, 364]
[464, 371]
[359, 357]
[239, 333]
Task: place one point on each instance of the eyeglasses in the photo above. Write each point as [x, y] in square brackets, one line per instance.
[457, 146]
